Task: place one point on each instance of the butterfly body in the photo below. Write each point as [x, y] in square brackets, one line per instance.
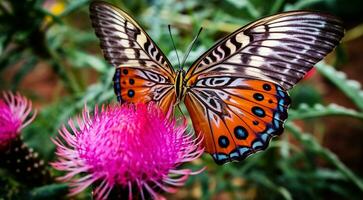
[236, 92]
[180, 87]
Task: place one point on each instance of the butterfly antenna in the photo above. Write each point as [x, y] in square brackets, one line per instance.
[191, 46]
[174, 46]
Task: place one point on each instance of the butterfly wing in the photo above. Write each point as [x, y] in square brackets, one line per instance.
[237, 116]
[134, 85]
[237, 90]
[143, 73]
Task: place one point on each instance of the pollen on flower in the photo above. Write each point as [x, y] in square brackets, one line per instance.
[14, 116]
[129, 146]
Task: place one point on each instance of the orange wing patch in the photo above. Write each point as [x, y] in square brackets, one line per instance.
[237, 118]
[133, 85]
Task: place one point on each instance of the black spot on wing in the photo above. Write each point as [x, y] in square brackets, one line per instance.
[130, 93]
[223, 141]
[240, 132]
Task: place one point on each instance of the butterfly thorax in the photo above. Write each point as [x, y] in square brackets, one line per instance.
[180, 88]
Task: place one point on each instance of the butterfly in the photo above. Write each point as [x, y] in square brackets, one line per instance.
[236, 92]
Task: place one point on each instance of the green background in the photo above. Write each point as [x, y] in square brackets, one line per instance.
[49, 53]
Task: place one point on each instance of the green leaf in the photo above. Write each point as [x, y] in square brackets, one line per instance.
[49, 191]
[350, 88]
[276, 6]
[310, 142]
[238, 4]
[73, 6]
[82, 59]
[261, 179]
[301, 4]
[304, 111]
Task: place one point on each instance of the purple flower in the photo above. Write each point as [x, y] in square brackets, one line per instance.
[14, 112]
[129, 146]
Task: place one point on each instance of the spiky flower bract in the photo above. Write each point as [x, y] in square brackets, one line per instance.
[135, 147]
[14, 116]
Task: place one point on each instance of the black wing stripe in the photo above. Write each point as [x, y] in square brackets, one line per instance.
[274, 68]
[312, 55]
[290, 46]
[279, 57]
[313, 23]
[266, 69]
[301, 39]
[306, 16]
[297, 37]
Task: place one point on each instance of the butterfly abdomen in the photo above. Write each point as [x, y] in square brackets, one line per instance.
[180, 88]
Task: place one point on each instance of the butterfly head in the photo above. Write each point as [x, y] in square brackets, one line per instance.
[180, 88]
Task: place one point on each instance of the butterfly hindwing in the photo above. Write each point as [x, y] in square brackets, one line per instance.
[134, 85]
[238, 116]
[143, 73]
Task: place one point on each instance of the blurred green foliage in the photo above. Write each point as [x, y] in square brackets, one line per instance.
[57, 35]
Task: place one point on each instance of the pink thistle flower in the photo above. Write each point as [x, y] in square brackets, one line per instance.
[14, 116]
[125, 146]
